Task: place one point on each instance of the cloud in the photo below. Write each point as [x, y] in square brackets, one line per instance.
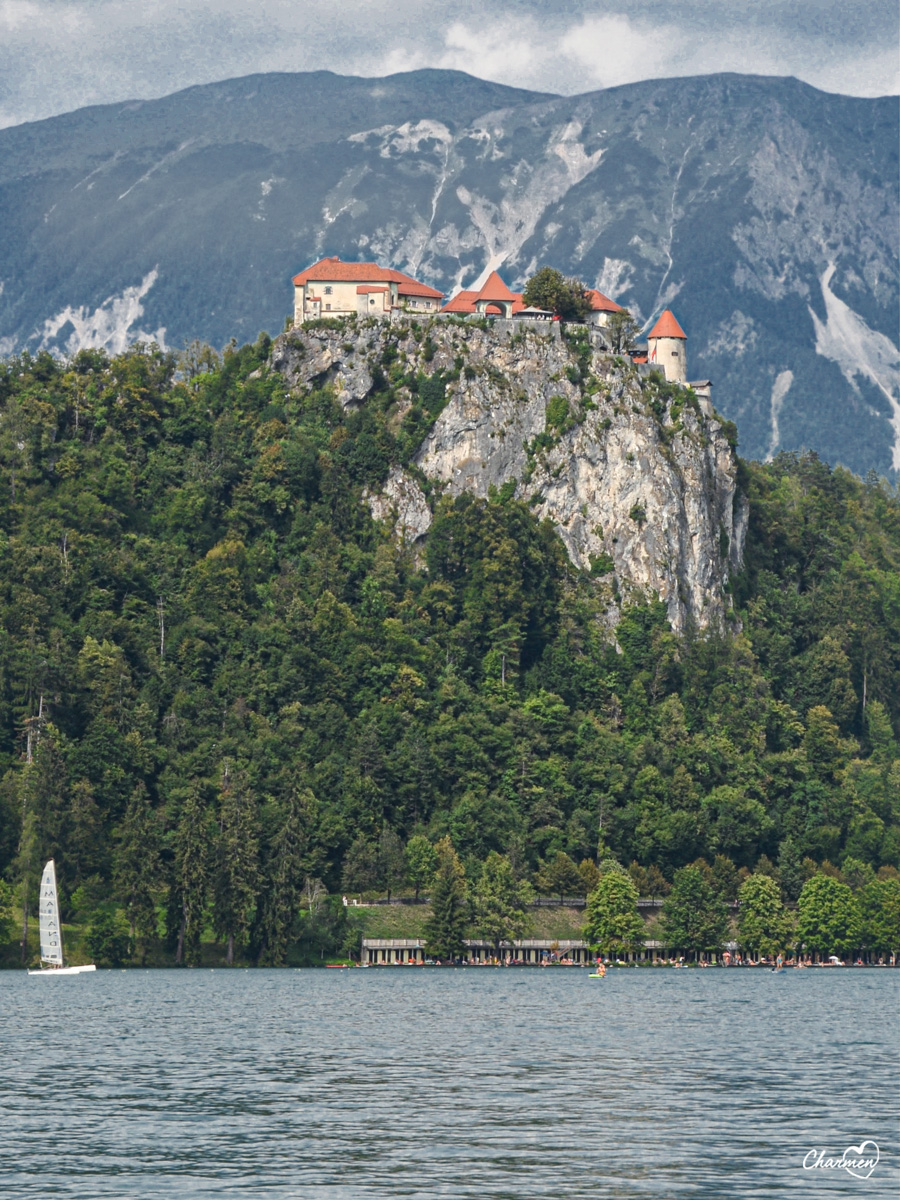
[56, 55]
[614, 50]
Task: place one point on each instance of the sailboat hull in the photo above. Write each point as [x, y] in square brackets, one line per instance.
[64, 970]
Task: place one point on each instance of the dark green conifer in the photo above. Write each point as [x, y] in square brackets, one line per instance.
[284, 886]
[445, 931]
[136, 864]
[193, 848]
[237, 862]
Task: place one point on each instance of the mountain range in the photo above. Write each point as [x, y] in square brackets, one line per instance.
[763, 211]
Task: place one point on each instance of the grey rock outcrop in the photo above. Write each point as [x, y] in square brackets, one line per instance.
[639, 479]
[403, 505]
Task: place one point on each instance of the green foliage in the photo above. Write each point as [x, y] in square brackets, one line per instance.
[612, 924]
[602, 564]
[236, 876]
[445, 931]
[108, 941]
[622, 331]
[549, 289]
[763, 925]
[828, 917]
[421, 862]
[880, 915]
[694, 917]
[6, 913]
[390, 861]
[196, 607]
[430, 398]
[557, 416]
[559, 876]
[500, 902]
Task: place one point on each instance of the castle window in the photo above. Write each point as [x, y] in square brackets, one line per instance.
[328, 291]
[328, 308]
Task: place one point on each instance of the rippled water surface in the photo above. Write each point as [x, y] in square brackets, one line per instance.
[416, 1083]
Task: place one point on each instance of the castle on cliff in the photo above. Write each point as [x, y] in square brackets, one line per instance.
[333, 288]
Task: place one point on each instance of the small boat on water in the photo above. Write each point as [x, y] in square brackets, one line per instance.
[51, 930]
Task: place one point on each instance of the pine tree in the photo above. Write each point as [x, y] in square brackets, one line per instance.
[136, 870]
[237, 862]
[192, 866]
[286, 873]
[445, 931]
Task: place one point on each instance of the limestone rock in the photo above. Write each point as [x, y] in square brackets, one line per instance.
[402, 503]
[331, 360]
[640, 481]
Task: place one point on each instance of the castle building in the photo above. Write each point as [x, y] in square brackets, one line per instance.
[492, 299]
[334, 288]
[667, 348]
[602, 308]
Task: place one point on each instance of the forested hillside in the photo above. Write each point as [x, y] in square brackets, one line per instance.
[221, 683]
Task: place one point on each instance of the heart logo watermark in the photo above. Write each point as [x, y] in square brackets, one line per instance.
[859, 1161]
[865, 1164]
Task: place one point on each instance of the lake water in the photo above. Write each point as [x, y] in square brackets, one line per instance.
[481, 1082]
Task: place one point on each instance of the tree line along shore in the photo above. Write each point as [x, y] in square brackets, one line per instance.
[228, 697]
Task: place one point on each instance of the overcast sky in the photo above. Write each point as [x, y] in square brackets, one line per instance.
[56, 55]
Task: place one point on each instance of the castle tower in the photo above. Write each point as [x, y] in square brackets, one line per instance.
[667, 348]
[494, 296]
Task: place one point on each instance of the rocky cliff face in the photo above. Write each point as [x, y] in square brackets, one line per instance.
[638, 478]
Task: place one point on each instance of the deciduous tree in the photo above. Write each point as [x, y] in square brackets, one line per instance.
[421, 862]
[693, 916]
[828, 917]
[500, 902]
[612, 923]
[763, 924]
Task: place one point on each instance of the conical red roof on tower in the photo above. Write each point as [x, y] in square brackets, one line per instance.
[495, 289]
[667, 326]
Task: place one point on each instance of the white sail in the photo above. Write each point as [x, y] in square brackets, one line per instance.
[51, 938]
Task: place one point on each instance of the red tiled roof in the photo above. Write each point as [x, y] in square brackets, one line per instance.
[411, 287]
[462, 302]
[329, 270]
[494, 289]
[332, 270]
[601, 303]
[667, 327]
[364, 288]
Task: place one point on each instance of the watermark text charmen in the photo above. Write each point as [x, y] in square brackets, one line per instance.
[859, 1161]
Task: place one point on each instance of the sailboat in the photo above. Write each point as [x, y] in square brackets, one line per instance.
[51, 931]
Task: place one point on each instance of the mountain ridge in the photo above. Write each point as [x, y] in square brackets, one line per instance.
[762, 209]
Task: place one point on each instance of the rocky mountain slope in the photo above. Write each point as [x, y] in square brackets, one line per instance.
[764, 211]
[639, 479]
